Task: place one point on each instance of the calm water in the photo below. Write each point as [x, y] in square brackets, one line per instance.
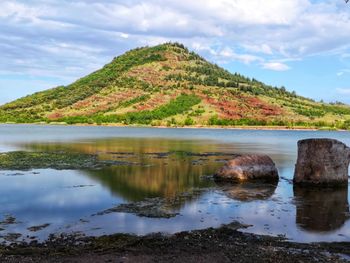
[166, 164]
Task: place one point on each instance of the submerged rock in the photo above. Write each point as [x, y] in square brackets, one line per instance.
[38, 228]
[8, 220]
[322, 161]
[12, 237]
[248, 167]
[157, 207]
[150, 207]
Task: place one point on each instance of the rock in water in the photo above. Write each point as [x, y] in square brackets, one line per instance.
[322, 161]
[248, 167]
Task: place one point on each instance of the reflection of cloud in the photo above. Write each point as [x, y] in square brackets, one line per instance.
[35, 199]
[57, 191]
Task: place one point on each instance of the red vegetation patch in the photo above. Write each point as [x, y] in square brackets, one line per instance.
[55, 116]
[235, 107]
[100, 102]
[95, 103]
[148, 74]
[227, 109]
[154, 102]
[156, 75]
[264, 108]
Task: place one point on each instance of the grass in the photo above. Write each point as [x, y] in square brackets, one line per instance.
[179, 105]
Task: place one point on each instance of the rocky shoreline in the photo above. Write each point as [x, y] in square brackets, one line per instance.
[224, 244]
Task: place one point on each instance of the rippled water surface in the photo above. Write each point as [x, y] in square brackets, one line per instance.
[173, 165]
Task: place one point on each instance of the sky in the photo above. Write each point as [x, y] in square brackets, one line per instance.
[303, 45]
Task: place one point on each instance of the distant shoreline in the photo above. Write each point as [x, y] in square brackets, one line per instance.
[262, 128]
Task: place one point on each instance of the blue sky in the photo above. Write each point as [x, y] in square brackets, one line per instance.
[303, 45]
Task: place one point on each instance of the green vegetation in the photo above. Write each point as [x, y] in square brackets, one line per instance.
[26, 109]
[128, 103]
[38, 160]
[158, 79]
[207, 74]
[21, 160]
[177, 106]
[189, 121]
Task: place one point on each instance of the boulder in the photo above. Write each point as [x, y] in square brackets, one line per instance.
[322, 162]
[248, 167]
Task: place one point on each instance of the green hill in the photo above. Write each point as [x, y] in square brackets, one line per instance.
[169, 85]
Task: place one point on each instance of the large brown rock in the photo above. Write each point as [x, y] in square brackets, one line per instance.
[323, 162]
[248, 167]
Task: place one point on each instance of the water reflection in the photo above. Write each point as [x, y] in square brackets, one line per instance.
[321, 209]
[169, 167]
[153, 167]
[145, 147]
[135, 183]
[127, 145]
[248, 191]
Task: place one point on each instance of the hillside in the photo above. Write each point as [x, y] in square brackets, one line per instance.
[171, 86]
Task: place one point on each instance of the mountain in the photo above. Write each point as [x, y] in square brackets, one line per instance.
[169, 85]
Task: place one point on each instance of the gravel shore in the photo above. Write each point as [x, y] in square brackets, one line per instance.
[224, 244]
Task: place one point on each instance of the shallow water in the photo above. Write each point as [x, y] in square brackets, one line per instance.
[164, 163]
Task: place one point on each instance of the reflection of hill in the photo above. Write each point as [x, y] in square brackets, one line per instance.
[321, 209]
[248, 191]
[154, 145]
[131, 145]
[135, 183]
[162, 167]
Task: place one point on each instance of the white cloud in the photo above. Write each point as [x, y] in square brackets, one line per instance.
[288, 27]
[277, 66]
[64, 38]
[342, 91]
[228, 53]
[342, 72]
[123, 35]
[263, 48]
[245, 12]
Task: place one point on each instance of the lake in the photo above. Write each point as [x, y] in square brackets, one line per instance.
[170, 165]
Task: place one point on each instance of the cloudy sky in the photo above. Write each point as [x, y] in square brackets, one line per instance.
[301, 44]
